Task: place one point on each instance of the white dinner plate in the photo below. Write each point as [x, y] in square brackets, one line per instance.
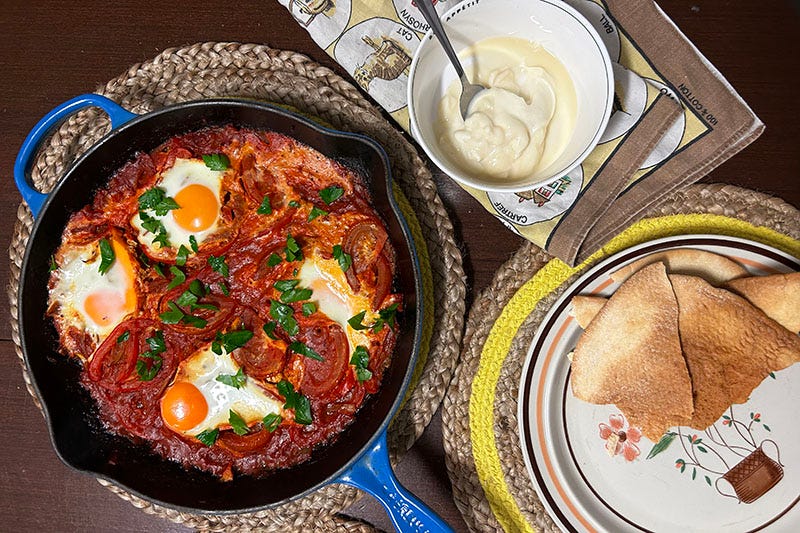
[591, 478]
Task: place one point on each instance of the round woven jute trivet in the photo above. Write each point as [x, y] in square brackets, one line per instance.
[505, 499]
[212, 70]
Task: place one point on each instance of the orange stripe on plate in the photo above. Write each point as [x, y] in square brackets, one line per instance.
[756, 264]
[540, 428]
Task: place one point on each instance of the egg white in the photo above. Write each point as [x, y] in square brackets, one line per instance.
[251, 401]
[183, 173]
[78, 276]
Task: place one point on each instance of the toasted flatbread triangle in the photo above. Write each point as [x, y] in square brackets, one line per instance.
[584, 308]
[714, 268]
[630, 355]
[730, 346]
[777, 295]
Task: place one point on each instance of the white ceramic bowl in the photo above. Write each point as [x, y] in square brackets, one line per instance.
[561, 30]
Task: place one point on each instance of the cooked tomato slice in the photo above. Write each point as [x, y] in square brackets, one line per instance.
[243, 444]
[261, 356]
[114, 360]
[366, 245]
[328, 339]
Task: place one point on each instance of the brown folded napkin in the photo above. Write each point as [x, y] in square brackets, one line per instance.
[675, 117]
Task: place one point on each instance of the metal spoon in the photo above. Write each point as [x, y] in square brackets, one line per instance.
[468, 90]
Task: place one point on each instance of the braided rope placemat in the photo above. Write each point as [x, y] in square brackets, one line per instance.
[491, 486]
[211, 70]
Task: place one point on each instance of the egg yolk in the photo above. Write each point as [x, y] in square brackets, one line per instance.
[183, 406]
[198, 209]
[107, 307]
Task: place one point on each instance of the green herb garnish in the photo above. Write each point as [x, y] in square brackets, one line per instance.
[236, 380]
[269, 329]
[223, 288]
[217, 161]
[107, 256]
[218, 264]
[272, 421]
[316, 212]
[294, 203]
[173, 316]
[237, 423]
[296, 401]
[178, 277]
[182, 255]
[265, 208]
[284, 316]
[385, 316]
[232, 340]
[149, 362]
[53, 264]
[331, 194]
[305, 350]
[273, 260]
[156, 200]
[125, 336]
[357, 321]
[309, 308]
[293, 252]
[208, 437]
[360, 360]
[193, 243]
[344, 259]
[156, 227]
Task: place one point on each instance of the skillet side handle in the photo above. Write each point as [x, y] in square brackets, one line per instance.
[30, 147]
[373, 473]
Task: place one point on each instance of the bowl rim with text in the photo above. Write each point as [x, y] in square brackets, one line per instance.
[562, 31]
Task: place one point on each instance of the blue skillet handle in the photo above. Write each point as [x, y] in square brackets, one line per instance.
[22, 166]
[373, 474]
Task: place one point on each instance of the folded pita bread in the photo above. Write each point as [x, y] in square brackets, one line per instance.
[584, 308]
[630, 355]
[777, 295]
[714, 268]
[730, 346]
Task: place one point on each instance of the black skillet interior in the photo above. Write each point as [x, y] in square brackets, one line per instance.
[78, 437]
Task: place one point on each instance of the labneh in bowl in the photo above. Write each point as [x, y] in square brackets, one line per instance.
[562, 32]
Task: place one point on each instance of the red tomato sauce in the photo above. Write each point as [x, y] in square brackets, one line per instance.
[128, 370]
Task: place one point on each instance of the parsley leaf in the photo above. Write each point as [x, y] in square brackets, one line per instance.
[284, 316]
[360, 360]
[237, 423]
[159, 270]
[125, 336]
[186, 299]
[305, 350]
[173, 316]
[269, 329]
[356, 321]
[193, 243]
[217, 161]
[236, 380]
[235, 339]
[178, 277]
[309, 308]
[294, 203]
[107, 256]
[296, 401]
[156, 227]
[195, 321]
[344, 259]
[53, 264]
[265, 208]
[272, 421]
[316, 212]
[331, 194]
[385, 316]
[224, 288]
[148, 370]
[182, 255]
[156, 200]
[295, 295]
[218, 264]
[273, 260]
[293, 251]
[284, 285]
[208, 437]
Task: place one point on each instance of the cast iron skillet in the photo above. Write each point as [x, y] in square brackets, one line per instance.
[358, 457]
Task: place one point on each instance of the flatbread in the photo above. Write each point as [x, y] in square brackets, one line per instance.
[714, 268]
[777, 295]
[730, 346]
[630, 355]
[584, 308]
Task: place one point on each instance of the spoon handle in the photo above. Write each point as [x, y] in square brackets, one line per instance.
[432, 18]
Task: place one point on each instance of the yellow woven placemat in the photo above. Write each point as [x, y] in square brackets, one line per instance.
[484, 459]
[212, 70]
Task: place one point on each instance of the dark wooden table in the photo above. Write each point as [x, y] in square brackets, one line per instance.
[51, 51]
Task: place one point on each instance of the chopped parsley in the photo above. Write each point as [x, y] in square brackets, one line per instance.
[178, 277]
[107, 256]
[309, 308]
[223, 288]
[385, 316]
[265, 208]
[149, 362]
[273, 260]
[53, 264]
[123, 337]
[193, 243]
[331, 194]
[156, 227]
[182, 255]
[269, 329]
[305, 350]
[236, 380]
[175, 314]
[360, 360]
[357, 321]
[284, 316]
[290, 292]
[316, 212]
[156, 200]
[296, 401]
[217, 161]
[293, 251]
[344, 259]
[231, 340]
[294, 203]
[272, 421]
[238, 425]
[208, 437]
[218, 264]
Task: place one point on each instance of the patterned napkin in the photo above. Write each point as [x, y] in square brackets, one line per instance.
[675, 117]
